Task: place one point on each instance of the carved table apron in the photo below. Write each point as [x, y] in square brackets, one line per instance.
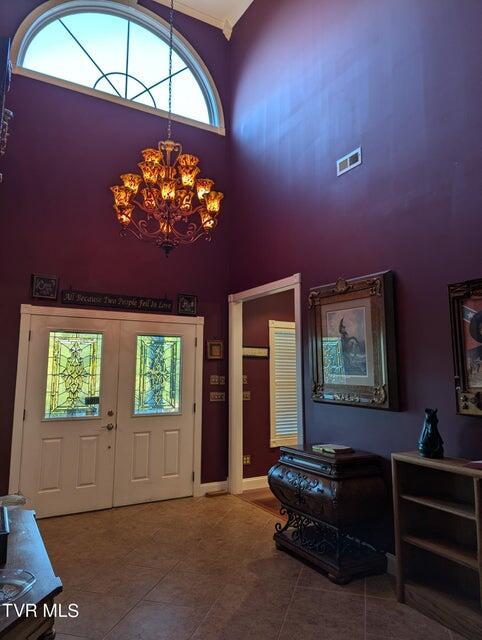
[328, 499]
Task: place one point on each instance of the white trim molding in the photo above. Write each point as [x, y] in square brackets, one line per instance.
[131, 10]
[236, 301]
[213, 487]
[225, 20]
[73, 312]
[259, 482]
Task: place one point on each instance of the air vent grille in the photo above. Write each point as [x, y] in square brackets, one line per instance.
[349, 162]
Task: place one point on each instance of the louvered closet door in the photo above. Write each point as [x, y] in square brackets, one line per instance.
[68, 450]
[283, 386]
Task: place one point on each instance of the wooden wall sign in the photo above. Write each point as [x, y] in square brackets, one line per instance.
[116, 301]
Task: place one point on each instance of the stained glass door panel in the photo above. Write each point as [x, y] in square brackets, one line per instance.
[158, 375]
[73, 375]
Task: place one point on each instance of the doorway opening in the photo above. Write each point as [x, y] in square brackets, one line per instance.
[253, 381]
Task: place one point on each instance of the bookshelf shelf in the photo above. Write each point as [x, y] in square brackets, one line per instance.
[438, 536]
[464, 510]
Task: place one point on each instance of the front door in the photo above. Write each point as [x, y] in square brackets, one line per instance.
[68, 447]
[109, 413]
[155, 420]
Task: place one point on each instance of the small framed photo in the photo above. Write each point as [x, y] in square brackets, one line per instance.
[215, 350]
[186, 305]
[45, 287]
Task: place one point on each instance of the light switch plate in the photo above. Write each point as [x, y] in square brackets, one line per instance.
[222, 380]
[217, 396]
[245, 379]
[247, 459]
[246, 395]
[214, 380]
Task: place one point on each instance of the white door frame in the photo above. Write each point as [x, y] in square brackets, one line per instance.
[236, 300]
[27, 311]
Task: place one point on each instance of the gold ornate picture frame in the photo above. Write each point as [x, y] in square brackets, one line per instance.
[466, 320]
[353, 347]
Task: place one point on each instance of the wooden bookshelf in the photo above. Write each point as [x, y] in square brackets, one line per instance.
[438, 536]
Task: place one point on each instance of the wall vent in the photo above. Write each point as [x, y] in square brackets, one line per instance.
[349, 162]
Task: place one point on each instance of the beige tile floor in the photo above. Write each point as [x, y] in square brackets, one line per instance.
[207, 569]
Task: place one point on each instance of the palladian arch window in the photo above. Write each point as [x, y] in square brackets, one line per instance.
[122, 51]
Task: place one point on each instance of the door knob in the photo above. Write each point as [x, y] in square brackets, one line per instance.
[109, 426]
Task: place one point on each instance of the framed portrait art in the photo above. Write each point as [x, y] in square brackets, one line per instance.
[353, 342]
[466, 319]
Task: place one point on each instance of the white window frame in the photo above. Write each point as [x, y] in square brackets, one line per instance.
[130, 10]
[275, 439]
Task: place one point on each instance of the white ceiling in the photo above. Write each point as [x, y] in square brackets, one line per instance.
[220, 13]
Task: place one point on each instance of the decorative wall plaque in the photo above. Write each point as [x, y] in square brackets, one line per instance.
[116, 301]
[44, 287]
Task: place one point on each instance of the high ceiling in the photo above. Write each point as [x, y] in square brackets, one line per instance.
[221, 13]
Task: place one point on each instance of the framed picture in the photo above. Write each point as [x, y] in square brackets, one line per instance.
[215, 350]
[44, 287]
[186, 305]
[466, 319]
[353, 347]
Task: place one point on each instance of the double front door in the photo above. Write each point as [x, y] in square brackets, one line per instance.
[109, 413]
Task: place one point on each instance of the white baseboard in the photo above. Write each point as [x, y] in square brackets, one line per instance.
[391, 564]
[210, 487]
[260, 482]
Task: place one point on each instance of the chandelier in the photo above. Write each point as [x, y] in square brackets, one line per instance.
[167, 203]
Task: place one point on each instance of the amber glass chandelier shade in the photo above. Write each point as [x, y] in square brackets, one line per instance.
[167, 204]
[122, 196]
[168, 190]
[187, 160]
[152, 155]
[125, 215]
[213, 201]
[150, 172]
[131, 181]
[208, 222]
[150, 198]
[203, 186]
[188, 175]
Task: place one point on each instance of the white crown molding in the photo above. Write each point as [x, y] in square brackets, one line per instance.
[225, 22]
[194, 13]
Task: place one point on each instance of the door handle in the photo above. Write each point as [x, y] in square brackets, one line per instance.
[109, 426]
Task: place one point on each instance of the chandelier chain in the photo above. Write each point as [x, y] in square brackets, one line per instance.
[171, 38]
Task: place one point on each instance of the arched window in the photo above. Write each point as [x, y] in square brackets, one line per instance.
[120, 50]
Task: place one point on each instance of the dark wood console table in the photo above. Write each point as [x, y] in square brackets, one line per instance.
[328, 499]
[26, 551]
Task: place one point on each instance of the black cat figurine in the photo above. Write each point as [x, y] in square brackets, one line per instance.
[430, 444]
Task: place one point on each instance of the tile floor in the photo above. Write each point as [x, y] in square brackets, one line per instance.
[207, 569]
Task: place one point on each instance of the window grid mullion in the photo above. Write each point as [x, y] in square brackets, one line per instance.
[88, 55]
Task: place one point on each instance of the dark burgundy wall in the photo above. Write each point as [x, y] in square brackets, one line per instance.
[64, 152]
[314, 79]
[256, 412]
